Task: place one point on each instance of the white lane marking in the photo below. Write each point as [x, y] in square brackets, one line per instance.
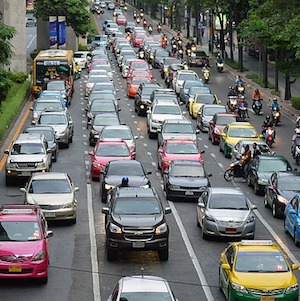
[142, 137]
[192, 254]
[213, 155]
[205, 146]
[31, 41]
[221, 165]
[94, 257]
[153, 163]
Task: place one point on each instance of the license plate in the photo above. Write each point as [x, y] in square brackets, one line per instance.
[189, 193]
[138, 244]
[267, 298]
[26, 173]
[230, 230]
[15, 269]
[50, 214]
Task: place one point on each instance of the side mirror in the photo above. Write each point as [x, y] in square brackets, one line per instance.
[209, 175]
[91, 153]
[226, 267]
[136, 137]
[253, 207]
[202, 151]
[149, 173]
[76, 189]
[6, 151]
[261, 136]
[201, 205]
[197, 131]
[105, 210]
[168, 210]
[23, 189]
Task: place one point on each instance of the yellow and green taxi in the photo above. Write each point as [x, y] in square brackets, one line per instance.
[233, 133]
[257, 270]
[199, 100]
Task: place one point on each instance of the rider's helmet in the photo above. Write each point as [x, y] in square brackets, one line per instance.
[242, 98]
[230, 88]
[275, 99]
[256, 91]
[267, 117]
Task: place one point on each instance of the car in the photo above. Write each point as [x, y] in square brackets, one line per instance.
[82, 58]
[133, 84]
[59, 85]
[139, 286]
[292, 218]
[183, 93]
[54, 193]
[172, 70]
[102, 95]
[111, 6]
[99, 122]
[106, 22]
[281, 188]
[181, 76]
[158, 55]
[111, 176]
[233, 133]
[52, 95]
[24, 237]
[257, 270]
[126, 60]
[199, 100]
[217, 125]
[121, 20]
[49, 134]
[239, 148]
[117, 132]
[160, 111]
[30, 22]
[191, 93]
[137, 39]
[130, 27]
[172, 128]
[106, 151]
[225, 212]
[104, 69]
[138, 64]
[62, 123]
[135, 221]
[163, 94]
[166, 62]
[104, 87]
[29, 153]
[117, 12]
[92, 80]
[178, 149]
[261, 169]
[198, 58]
[111, 28]
[99, 106]
[185, 180]
[206, 113]
[142, 97]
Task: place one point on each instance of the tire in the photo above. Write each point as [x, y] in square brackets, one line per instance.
[249, 181]
[8, 181]
[266, 202]
[296, 239]
[110, 254]
[203, 235]
[164, 254]
[73, 221]
[67, 145]
[151, 135]
[43, 280]
[229, 175]
[274, 210]
[284, 226]
[256, 188]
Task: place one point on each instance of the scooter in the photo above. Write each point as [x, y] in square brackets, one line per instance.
[269, 136]
[180, 53]
[257, 106]
[206, 75]
[296, 152]
[276, 116]
[159, 28]
[138, 20]
[240, 89]
[220, 67]
[150, 29]
[242, 110]
[234, 170]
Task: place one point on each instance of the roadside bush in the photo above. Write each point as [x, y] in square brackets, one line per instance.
[5, 83]
[296, 102]
[82, 48]
[19, 77]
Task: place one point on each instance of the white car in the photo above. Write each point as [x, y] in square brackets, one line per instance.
[93, 80]
[160, 111]
[82, 58]
[181, 76]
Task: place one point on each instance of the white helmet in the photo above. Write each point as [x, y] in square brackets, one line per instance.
[297, 131]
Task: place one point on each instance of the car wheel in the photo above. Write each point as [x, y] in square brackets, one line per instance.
[43, 280]
[266, 202]
[8, 181]
[71, 139]
[110, 254]
[249, 181]
[103, 198]
[274, 210]
[256, 188]
[73, 221]
[220, 283]
[209, 137]
[296, 238]
[164, 254]
[285, 227]
[67, 145]
[229, 175]
[220, 149]
[203, 234]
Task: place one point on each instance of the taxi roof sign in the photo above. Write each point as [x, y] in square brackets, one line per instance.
[257, 242]
[17, 211]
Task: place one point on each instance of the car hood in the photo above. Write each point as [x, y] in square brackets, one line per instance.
[235, 140]
[59, 127]
[288, 194]
[264, 175]
[27, 248]
[27, 158]
[207, 118]
[133, 180]
[98, 128]
[167, 136]
[138, 220]
[229, 215]
[162, 117]
[104, 160]
[171, 157]
[50, 199]
[194, 182]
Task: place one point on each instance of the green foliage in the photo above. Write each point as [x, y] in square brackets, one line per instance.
[82, 47]
[5, 83]
[34, 53]
[6, 34]
[19, 77]
[296, 102]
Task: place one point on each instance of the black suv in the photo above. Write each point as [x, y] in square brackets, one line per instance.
[135, 220]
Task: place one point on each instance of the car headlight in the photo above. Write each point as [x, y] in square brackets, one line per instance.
[108, 187]
[209, 218]
[41, 164]
[96, 164]
[292, 288]
[261, 181]
[165, 70]
[41, 255]
[115, 229]
[281, 199]
[174, 187]
[155, 121]
[11, 165]
[67, 205]
[251, 219]
[239, 288]
[163, 228]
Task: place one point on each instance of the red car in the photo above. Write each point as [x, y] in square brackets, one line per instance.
[24, 251]
[178, 149]
[137, 39]
[121, 20]
[217, 125]
[139, 65]
[140, 73]
[133, 84]
[106, 151]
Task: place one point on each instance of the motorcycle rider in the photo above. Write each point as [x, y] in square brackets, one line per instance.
[144, 23]
[164, 40]
[268, 123]
[295, 136]
[256, 95]
[256, 151]
[298, 121]
[188, 48]
[246, 160]
[205, 68]
[243, 104]
[231, 91]
[219, 59]
[150, 28]
[173, 46]
[275, 105]
[178, 35]
[134, 14]
[239, 80]
[158, 27]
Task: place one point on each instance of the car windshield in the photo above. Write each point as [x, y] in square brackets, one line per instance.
[141, 66]
[273, 165]
[50, 186]
[19, 231]
[108, 120]
[165, 109]
[240, 132]
[138, 81]
[79, 55]
[178, 128]
[56, 86]
[95, 79]
[291, 183]
[198, 89]
[233, 202]
[53, 119]
[260, 262]
[40, 106]
[49, 135]
[211, 111]
[148, 90]
[179, 170]
[103, 107]
[186, 76]
[27, 149]
[181, 148]
[48, 96]
[101, 95]
[198, 53]
[188, 84]
[125, 169]
[116, 134]
[136, 206]
[205, 98]
[223, 120]
[146, 296]
[114, 150]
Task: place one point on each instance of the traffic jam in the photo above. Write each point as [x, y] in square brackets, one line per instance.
[159, 174]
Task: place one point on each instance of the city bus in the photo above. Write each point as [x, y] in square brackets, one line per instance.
[52, 64]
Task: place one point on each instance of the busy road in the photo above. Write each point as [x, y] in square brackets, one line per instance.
[79, 269]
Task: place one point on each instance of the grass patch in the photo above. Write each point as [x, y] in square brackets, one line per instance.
[93, 29]
[257, 79]
[233, 65]
[296, 102]
[10, 107]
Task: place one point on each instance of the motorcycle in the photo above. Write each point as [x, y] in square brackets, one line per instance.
[232, 103]
[296, 152]
[159, 28]
[138, 20]
[188, 52]
[180, 53]
[220, 67]
[99, 11]
[275, 116]
[145, 23]
[234, 170]
[257, 106]
[206, 75]
[134, 15]
[164, 42]
[193, 47]
[150, 29]
[128, 37]
[141, 54]
[240, 89]
[141, 14]
[173, 50]
[269, 136]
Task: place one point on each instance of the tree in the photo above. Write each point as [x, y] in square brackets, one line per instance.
[75, 11]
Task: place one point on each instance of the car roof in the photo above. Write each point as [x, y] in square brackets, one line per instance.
[117, 127]
[266, 157]
[226, 114]
[240, 124]
[39, 128]
[283, 174]
[49, 175]
[187, 162]
[110, 142]
[206, 105]
[135, 192]
[125, 162]
[177, 121]
[29, 137]
[257, 246]
[226, 190]
[19, 212]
